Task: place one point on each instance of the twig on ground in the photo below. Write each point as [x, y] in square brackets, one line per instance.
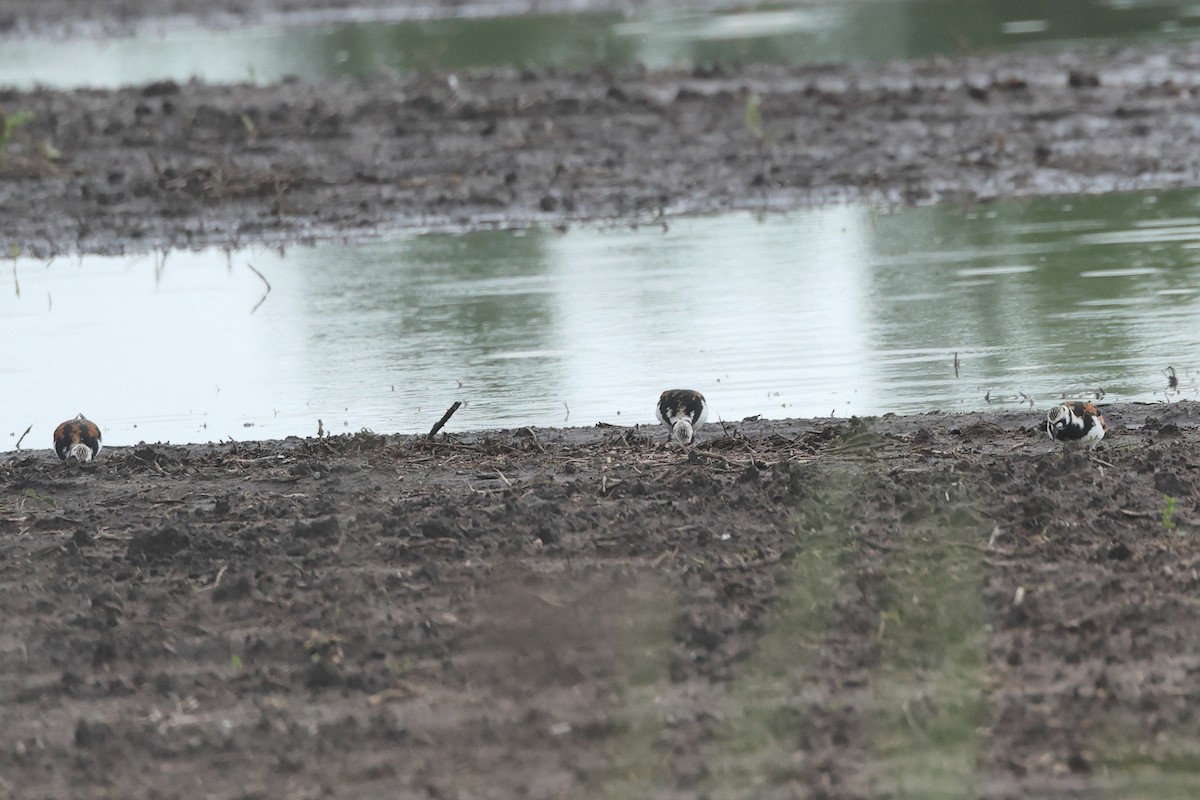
[991, 542]
[441, 423]
[23, 435]
[1131, 513]
[663, 556]
[550, 601]
[217, 580]
[470, 448]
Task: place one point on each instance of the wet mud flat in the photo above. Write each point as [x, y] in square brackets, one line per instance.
[939, 605]
[169, 165]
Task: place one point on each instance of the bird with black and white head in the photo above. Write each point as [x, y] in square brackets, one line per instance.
[1077, 421]
[683, 410]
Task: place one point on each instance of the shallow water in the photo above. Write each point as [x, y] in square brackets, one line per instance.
[827, 31]
[848, 310]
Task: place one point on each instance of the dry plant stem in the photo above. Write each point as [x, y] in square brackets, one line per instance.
[441, 423]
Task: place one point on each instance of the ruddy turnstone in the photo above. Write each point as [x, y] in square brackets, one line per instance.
[1078, 421]
[684, 410]
[77, 438]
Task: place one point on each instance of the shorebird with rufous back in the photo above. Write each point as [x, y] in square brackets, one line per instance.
[1076, 421]
[77, 439]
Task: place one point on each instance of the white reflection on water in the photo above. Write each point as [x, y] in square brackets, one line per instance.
[844, 310]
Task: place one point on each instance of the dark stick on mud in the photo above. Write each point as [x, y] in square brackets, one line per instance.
[23, 435]
[445, 418]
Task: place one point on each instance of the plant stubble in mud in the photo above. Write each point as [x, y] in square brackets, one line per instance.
[895, 607]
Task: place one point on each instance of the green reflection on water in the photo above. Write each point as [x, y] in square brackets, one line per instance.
[1093, 291]
[787, 34]
[1037, 298]
[565, 40]
[469, 317]
[851, 309]
[486, 290]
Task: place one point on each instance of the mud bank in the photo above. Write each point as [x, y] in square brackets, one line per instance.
[806, 608]
[169, 165]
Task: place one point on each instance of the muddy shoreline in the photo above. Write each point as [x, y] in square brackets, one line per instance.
[544, 612]
[169, 165]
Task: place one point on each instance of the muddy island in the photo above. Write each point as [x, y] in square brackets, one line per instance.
[171, 165]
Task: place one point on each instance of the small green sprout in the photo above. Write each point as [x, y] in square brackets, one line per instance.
[1168, 511]
[32, 494]
[251, 128]
[10, 125]
[754, 115]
